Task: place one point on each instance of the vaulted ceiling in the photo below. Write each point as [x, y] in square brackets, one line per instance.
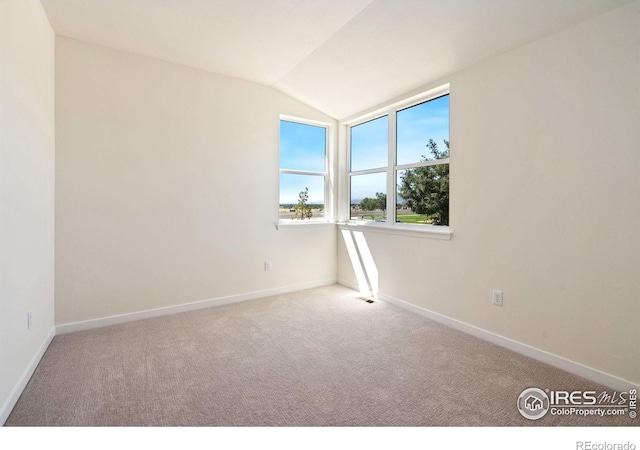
[340, 56]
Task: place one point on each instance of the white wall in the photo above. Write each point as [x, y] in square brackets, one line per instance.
[26, 193]
[167, 187]
[545, 205]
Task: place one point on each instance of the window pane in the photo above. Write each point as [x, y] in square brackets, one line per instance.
[302, 147]
[423, 195]
[421, 127]
[369, 197]
[369, 144]
[292, 206]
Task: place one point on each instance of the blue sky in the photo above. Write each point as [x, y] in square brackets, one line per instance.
[369, 144]
[291, 185]
[418, 124]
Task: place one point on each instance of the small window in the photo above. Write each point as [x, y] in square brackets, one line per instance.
[303, 171]
[408, 148]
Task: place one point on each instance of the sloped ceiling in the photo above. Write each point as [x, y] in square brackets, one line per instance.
[340, 56]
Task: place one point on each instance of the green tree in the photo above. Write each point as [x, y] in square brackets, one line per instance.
[302, 208]
[426, 189]
[367, 204]
[381, 201]
[374, 204]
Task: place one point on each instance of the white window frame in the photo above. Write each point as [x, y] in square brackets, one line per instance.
[327, 174]
[390, 226]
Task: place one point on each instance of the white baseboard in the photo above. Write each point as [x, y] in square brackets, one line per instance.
[167, 310]
[559, 362]
[24, 379]
[349, 284]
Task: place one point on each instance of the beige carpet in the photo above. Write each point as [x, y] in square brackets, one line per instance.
[312, 358]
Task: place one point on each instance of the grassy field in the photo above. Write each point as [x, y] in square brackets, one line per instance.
[286, 213]
[411, 218]
[402, 217]
[368, 215]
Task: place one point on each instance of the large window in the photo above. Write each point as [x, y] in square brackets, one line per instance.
[404, 152]
[303, 170]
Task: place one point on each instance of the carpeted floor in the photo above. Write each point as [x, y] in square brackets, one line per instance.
[319, 357]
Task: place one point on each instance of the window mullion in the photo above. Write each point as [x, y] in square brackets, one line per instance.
[368, 171]
[391, 178]
[303, 172]
[435, 162]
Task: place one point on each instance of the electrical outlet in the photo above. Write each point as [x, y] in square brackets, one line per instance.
[267, 266]
[497, 298]
[29, 320]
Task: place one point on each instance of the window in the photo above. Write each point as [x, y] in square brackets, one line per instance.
[303, 170]
[404, 151]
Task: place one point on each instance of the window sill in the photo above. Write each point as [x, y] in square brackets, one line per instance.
[432, 232]
[299, 224]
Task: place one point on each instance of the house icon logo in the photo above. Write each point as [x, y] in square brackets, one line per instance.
[533, 403]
